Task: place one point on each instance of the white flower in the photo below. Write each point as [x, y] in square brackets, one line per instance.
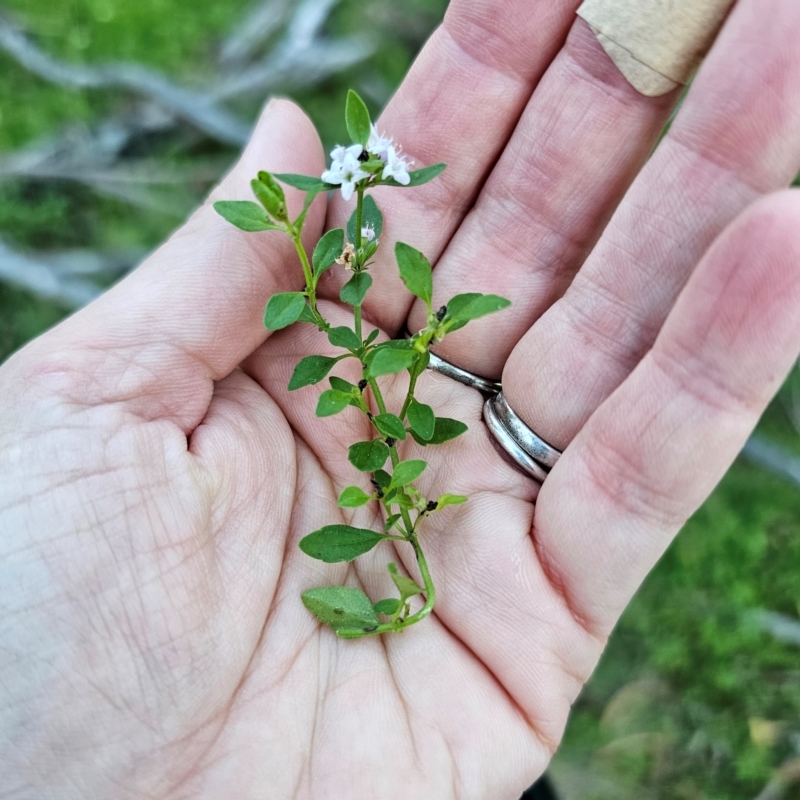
[368, 233]
[378, 145]
[345, 169]
[396, 167]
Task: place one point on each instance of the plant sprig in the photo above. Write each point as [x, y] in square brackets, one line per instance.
[370, 161]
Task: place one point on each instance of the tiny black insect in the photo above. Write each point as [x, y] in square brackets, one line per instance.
[389, 441]
[440, 313]
[364, 156]
[362, 384]
[432, 505]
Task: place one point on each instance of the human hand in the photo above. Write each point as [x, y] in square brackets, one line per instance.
[155, 475]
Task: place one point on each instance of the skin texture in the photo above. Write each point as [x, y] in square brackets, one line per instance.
[156, 475]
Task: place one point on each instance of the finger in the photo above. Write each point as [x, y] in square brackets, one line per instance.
[194, 309]
[541, 606]
[458, 105]
[736, 137]
[655, 449]
[580, 143]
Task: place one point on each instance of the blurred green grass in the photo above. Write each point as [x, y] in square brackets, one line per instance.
[691, 700]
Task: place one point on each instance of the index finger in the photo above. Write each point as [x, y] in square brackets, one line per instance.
[459, 104]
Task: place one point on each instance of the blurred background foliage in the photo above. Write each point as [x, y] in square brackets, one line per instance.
[698, 695]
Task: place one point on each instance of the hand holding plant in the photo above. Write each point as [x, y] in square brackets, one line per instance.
[156, 474]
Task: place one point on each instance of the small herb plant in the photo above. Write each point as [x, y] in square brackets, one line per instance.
[371, 160]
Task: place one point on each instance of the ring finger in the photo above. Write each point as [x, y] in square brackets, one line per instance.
[584, 135]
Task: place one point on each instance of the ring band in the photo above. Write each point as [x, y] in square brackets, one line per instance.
[484, 385]
[527, 451]
[537, 448]
[510, 445]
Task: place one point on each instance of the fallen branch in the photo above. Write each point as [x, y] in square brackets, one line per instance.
[773, 457]
[62, 277]
[296, 67]
[784, 778]
[254, 29]
[193, 107]
[780, 626]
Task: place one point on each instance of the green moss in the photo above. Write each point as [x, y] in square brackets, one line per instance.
[690, 625]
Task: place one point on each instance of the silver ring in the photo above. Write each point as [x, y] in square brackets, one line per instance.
[510, 445]
[484, 385]
[535, 447]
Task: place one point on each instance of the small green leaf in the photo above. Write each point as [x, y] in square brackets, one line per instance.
[368, 456]
[268, 179]
[399, 344]
[388, 361]
[420, 176]
[341, 608]
[308, 316]
[465, 307]
[328, 249]
[284, 309]
[390, 606]
[390, 425]
[407, 471]
[332, 402]
[357, 119]
[403, 500]
[311, 370]
[306, 183]
[450, 500]
[444, 430]
[341, 384]
[415, 270]
[344, 337]
[391, 522]
[270, 195]
[421, 419]
[311, 195]
[382, 478]
[353, 497]
[447, 429]
[372, 337]
[371, 216]
[335, 543]
[245, 215]
[356, 288]
[406, 586]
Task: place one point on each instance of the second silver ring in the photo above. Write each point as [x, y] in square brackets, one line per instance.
[485, 385]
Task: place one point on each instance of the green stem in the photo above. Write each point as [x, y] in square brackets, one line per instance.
[308, 273]
[412, 385]
[430, 595]
[376, 391]
[359, 221]
[357, 245]
[379, 401]
[411, 537]
[430, 589]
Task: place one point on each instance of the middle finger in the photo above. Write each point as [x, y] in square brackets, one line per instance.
[583, 137]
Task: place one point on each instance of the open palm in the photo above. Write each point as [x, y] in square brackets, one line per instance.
[156, 475]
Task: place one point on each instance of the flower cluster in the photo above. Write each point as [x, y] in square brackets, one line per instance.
[350, 165]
